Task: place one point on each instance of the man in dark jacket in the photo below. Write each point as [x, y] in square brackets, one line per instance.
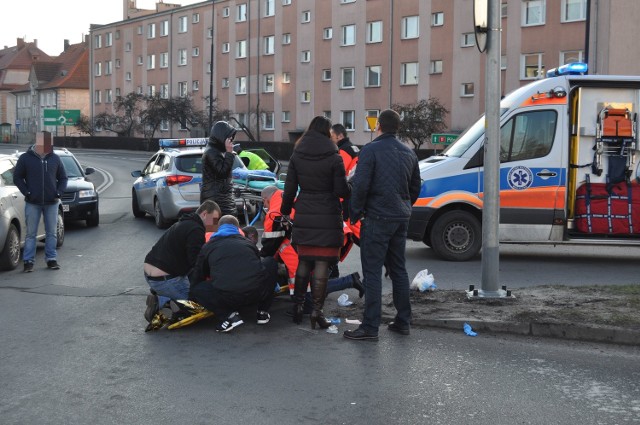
[167, 265]
[385, 186]
[217, 163]
[229, 274]
[41, 178]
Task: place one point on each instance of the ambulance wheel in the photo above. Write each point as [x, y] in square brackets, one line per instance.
[456, 236]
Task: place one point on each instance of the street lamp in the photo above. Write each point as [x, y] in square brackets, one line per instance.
[213, 2]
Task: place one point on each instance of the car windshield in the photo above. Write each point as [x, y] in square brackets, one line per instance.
[71, 166]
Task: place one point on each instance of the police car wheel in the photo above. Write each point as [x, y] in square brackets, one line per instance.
[456, 236]
[135, 207]
[161, 222]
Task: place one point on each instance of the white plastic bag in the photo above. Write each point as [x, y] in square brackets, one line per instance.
[423, 281]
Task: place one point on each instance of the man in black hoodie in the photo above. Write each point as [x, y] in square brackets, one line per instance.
[41, 178]
[167, 265]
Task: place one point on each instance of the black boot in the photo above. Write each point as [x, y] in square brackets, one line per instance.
[299, 289]
[318, 293]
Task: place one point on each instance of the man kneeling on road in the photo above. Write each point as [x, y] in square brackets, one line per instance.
[167, 265]
[229, 274]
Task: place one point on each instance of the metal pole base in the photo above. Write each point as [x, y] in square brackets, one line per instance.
[475, 294]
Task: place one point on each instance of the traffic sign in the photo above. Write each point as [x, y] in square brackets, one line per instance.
[372, 122]
[65, 117]
[443, 139]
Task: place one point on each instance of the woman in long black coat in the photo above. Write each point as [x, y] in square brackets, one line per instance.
[317, 169]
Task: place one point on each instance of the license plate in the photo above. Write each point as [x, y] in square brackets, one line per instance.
[65, 207]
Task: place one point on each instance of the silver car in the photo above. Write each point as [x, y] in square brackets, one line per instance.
[13, 227]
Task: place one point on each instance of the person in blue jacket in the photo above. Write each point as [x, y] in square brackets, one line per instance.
[40, 176]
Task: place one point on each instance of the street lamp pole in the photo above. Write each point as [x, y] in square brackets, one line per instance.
[213, 2]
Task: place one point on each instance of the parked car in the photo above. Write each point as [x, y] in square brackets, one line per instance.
[13, 227]
[169, 184]
[80, 199]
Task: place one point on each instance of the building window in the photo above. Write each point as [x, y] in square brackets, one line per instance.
[269, 44]
[209, 32]
[327, 34]
[286, 116]
[532, 67]
[326, 114]
[574, 10]
[410, 27]
[348, 35]
[209, 68]
[127, 76]
[241, 85]
[225, 12]
[127, 46]
[571, 56]
[108, 68]
[151, 61]
[97, 97]
[164, 91]
[195, 85]
[305, 96]
[117, 63]
[306, 56]
[437, 19]
[140, 60]
[164, 28]
[139, 30]
[182, 57]
[195, 52]
[225, 83]
[267, 120]
[326, 75]
[117, 34]
[151, 31]
[435, 67]
[97, 69]
[370, 113]
[225, 47]
[286, 38]
[139, 89]
[241, 49]
[504, 10]
[269, 7]
[164, 125]
[182, 89]
[242, 118]
[533, 12]
[347, 1]
[409, 74]
[373, 76]
[182, 24]
[108, 96]
[195, 18]
[97, 41]
[467, 90]
[286, 2]
[347, 119]
[503, 62]
[108, 39]
[268, 85]
[241, 12]
[117, 92]
[348, 78]
[374, 32]
[151, 90]
[468, 40]
[286, 77]
[164, 60]
[306, 16]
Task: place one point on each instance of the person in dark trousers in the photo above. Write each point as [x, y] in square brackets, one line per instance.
[229, 274]
[385, 186]
[317, 169]
[41, 178]
[168, 263]
[217, 163]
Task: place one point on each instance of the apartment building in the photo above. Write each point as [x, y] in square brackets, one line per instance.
[279, 63]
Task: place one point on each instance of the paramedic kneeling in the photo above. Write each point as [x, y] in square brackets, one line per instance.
[229, 274]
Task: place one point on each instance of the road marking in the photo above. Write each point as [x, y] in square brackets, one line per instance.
[108, 180]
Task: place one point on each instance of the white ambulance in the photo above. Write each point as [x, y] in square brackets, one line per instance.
[568, 169]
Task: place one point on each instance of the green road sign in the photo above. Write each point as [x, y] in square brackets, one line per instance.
[443, 139]
[61, 116]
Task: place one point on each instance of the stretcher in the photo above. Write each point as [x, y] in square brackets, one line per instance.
[248, 186]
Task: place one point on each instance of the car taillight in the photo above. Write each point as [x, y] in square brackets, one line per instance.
[177, 179]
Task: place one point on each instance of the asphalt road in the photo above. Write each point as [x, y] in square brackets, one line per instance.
[73, 349]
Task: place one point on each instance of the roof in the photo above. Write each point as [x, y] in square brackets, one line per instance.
[72, 69]
[19, 58]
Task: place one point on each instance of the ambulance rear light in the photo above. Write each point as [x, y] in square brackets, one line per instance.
[183, 143]
[575, 68]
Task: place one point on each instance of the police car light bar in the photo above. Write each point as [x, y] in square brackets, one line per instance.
[575, 68]
[183, 143]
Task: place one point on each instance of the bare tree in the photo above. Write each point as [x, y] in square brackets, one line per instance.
[421, 120]
[85, 125]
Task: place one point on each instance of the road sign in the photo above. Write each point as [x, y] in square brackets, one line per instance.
[61, 116]
[443, 139]
[372, 122]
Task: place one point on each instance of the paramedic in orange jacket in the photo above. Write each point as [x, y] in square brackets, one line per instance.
[349, 153]
[276, 242]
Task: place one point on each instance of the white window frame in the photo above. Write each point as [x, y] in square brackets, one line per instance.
[579, 54]
[567, 6]
[503, 62]
[269, 43]
[241, 49]
[151, 61]
[195, 18]
[369, 71]
[195, 52]
[327, 33]
[140, 60]
[151, 90]
[527, 68]
[305, 56]
[225, 12]
[182, 89]
[164, 60]
[467, 90]
[347, 1]
[140, 30]
[408, 78]
[108, 68]
[504, 10]
[151, 30]
[268, 121]
[127, 76]
[97, 69]
[410, 27]
[241, 85]
[225, 83]
[127, 46]
[326, 75]
[108, 96]
[164, 91]
[306, 17]
[305, 96]
[164, 125]
[182, 24]
[468, 39]
[269, 8]
[97, 41]
[527, 20]
[286, 2]
[370, 113]
[348, 35]
[97, 96]
[286, 78]
[195, 85]
[286, 116]
[117, 63]
[164, 28]
[108, 39]
[268, 83]
[437, 19]
[435, 66]
[286, 38]
[182, 57]
[374, 32]
[344, 78]
[348, 119]
[225, 47]
[241, 12]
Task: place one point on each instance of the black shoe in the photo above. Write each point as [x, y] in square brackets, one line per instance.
[53, 265]
[357, 284]
[152, 307]
[393, 327]
[234, 320]
[306, 310]
[28, 266]
[360, 334]
[263, 318]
